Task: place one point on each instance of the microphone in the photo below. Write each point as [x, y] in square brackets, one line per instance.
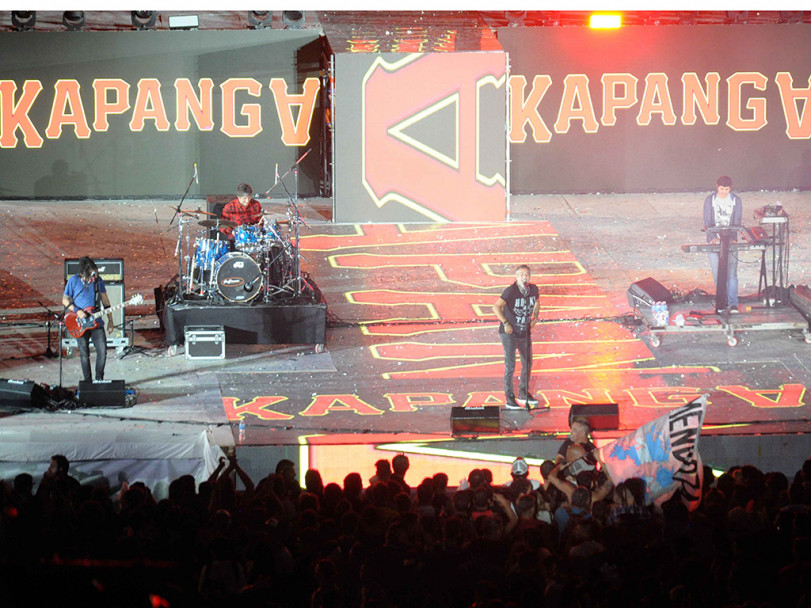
[196, 175]
[249, 286]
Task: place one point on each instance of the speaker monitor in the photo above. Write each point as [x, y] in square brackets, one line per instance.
[474, 420]
[22, 393]
[646, 292]
[601, 416]
[110, 269]
[104, 393]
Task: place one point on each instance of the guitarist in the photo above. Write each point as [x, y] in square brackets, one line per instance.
[82, 295]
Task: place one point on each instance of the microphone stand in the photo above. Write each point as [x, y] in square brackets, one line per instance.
[294, 204]
[61, 329]
[176, 214]
[183, 198]
[49, 353]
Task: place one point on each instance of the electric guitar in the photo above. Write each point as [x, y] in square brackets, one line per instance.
[76, 326]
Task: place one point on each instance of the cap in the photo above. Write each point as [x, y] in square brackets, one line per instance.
[520, 466]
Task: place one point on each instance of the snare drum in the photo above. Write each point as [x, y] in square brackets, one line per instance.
[208, 251]
[247, 238]
[239, 278]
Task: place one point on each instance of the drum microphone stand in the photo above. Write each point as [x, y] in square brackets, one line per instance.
[294, 203]
[176, 214]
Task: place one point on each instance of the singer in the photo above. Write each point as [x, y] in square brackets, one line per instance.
[244, 209]
[83, 292]
[518, 309]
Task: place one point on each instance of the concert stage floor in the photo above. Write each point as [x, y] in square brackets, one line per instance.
[412, 334]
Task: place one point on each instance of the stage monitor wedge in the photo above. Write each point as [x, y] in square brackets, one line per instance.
[22, 393]
[102, 393]
[600, 416]
[475, 420]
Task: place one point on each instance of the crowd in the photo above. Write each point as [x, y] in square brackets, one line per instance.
[561, 536]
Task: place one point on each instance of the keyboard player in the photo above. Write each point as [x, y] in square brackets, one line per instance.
[723, 208]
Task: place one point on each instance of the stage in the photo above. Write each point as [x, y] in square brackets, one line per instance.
[411, 334]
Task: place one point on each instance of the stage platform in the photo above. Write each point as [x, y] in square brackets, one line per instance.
[284, 322]
[411, 334]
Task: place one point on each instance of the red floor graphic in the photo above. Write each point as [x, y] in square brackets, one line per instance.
[415, 334]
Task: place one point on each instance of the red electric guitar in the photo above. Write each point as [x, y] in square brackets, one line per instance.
[76, 326]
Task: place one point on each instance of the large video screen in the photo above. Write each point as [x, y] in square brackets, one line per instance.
[128, 114]
[420, 137]
[659, 108]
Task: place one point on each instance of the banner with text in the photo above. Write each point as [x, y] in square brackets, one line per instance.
[659, 109]
[112, 114]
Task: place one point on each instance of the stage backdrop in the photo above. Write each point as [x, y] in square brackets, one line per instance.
[659, 108]
[120, 114]
[420, 137]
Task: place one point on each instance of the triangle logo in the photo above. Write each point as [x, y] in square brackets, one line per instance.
[434, 130]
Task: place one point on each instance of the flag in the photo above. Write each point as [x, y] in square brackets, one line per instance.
[663, 452]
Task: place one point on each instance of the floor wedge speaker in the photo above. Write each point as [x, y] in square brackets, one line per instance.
[102, 393]
[466, 420]
[22, 393]
[601, 416]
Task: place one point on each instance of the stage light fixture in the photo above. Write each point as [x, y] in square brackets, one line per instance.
[737, 16]
[144, 20]
[23, 21]
[260, 19]
[605, 21]
[515, 18]
[73, 20]
[293, 19]
[791, 16]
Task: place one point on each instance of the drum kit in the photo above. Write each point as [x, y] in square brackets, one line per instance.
[260, 263]
[262, 259]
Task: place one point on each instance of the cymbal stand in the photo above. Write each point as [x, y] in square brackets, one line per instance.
[296, 280]
[177, 214]
[212, 279]
[294, 203]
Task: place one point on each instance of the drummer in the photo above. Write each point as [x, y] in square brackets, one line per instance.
[243, 210]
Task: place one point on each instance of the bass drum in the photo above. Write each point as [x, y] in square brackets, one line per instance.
[239, 278]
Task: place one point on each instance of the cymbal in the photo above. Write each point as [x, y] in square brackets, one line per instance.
[197, 212]
[272, 216]
[217, 223]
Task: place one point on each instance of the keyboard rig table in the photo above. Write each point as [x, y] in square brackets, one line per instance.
[771, 310]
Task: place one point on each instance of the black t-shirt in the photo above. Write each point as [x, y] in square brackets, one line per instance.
[519, 307]
[567, 443]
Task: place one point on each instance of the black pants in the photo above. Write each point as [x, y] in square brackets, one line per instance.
[523, 344]
[100, 343]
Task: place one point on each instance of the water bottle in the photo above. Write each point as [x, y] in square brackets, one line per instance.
[241, 430]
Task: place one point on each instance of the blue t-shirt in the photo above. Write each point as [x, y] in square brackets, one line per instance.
[83, 295]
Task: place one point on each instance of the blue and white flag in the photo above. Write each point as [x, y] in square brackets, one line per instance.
[663, 452]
